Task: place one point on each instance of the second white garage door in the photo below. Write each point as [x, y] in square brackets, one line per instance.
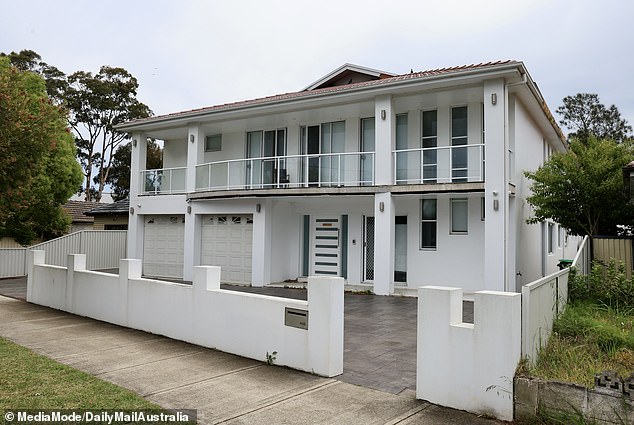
[227, 241]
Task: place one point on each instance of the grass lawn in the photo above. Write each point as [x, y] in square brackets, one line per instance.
[588, 338]
[31, 381]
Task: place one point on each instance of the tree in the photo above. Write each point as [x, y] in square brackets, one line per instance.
[119, 177]
[28, 60]
[586, 116]
[38, 171]
[582, 189]
[97, 103]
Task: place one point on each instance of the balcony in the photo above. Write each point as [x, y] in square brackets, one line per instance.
[445, 164]
[421, 166]
[164, 181]
[291, 171]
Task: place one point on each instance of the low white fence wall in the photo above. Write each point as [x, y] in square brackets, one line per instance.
[249, 325]
[544, 299]
[103, 249]
[468, 366]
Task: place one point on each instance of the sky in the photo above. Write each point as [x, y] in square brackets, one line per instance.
[191, 53]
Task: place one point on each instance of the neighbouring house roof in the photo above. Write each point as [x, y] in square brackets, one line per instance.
[76, 210]
[348, 74]
[330, 85]
[116, 208]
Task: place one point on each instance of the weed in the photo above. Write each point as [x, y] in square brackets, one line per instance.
[271, 357]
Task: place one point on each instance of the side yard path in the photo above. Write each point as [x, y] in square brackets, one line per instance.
[223, 388]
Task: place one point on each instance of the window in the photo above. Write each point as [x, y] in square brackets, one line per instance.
[430, 140]
[367, 145]
[401, 143]
[482, 209]
[213, 143]
[428, 224]
[459, 139]
[560, 236]
[317, 140]
[550, 237]
[459, 216]
[266, 144]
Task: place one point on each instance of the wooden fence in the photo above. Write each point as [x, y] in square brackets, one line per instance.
[620, 249]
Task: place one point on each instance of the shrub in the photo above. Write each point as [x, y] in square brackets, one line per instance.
[606, 284]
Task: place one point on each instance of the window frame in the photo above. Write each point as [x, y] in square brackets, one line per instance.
[550, 242]
[432, 165]
[456, 171]
[451, 217]
[423, 220]
[207, 144]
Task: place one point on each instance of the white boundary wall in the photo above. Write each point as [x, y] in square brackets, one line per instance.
[468, 366]
[248, 325]
[104, 249]
[544, 299]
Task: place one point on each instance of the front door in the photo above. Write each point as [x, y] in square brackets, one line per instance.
[326, 246]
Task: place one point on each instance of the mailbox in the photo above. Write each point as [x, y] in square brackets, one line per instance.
[296, 318]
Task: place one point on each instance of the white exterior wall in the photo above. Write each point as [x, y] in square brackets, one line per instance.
[233, 146]
[458, 259]
[531, 245]
[174, 153]
[286, 248]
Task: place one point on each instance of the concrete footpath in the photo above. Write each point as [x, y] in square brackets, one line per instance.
[223, 388]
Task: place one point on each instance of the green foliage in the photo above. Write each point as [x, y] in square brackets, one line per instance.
[119, 176]
[32, 381]
[582, 189]
[588, 117]
[97, 103]
[607, 285]
[270, 358]
[28, 60]
[38, 171]
[587, 338]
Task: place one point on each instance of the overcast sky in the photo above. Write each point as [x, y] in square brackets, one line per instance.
[187, 54]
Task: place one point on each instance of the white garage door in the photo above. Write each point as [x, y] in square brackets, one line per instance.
[163, 243]
[226, 241]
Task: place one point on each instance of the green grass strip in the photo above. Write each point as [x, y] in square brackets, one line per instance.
[31, 381]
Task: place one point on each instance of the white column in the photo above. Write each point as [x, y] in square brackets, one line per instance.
[385, 133]
[261, 260]
[191, 244]
[195, 154]
[135, 222]
[34, 257]
[495, 186]
[128, 269]
[383, 244]
[325, 325]
[74, 263]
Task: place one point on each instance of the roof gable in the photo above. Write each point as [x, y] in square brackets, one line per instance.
[348, 74]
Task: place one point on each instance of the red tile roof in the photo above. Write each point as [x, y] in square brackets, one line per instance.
[76, 210]
[334, 89]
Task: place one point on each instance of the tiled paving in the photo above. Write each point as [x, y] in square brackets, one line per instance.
[379, 334]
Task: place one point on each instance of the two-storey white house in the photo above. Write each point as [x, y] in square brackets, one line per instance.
[384, 179]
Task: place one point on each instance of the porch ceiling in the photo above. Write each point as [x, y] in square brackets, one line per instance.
[347, 190]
